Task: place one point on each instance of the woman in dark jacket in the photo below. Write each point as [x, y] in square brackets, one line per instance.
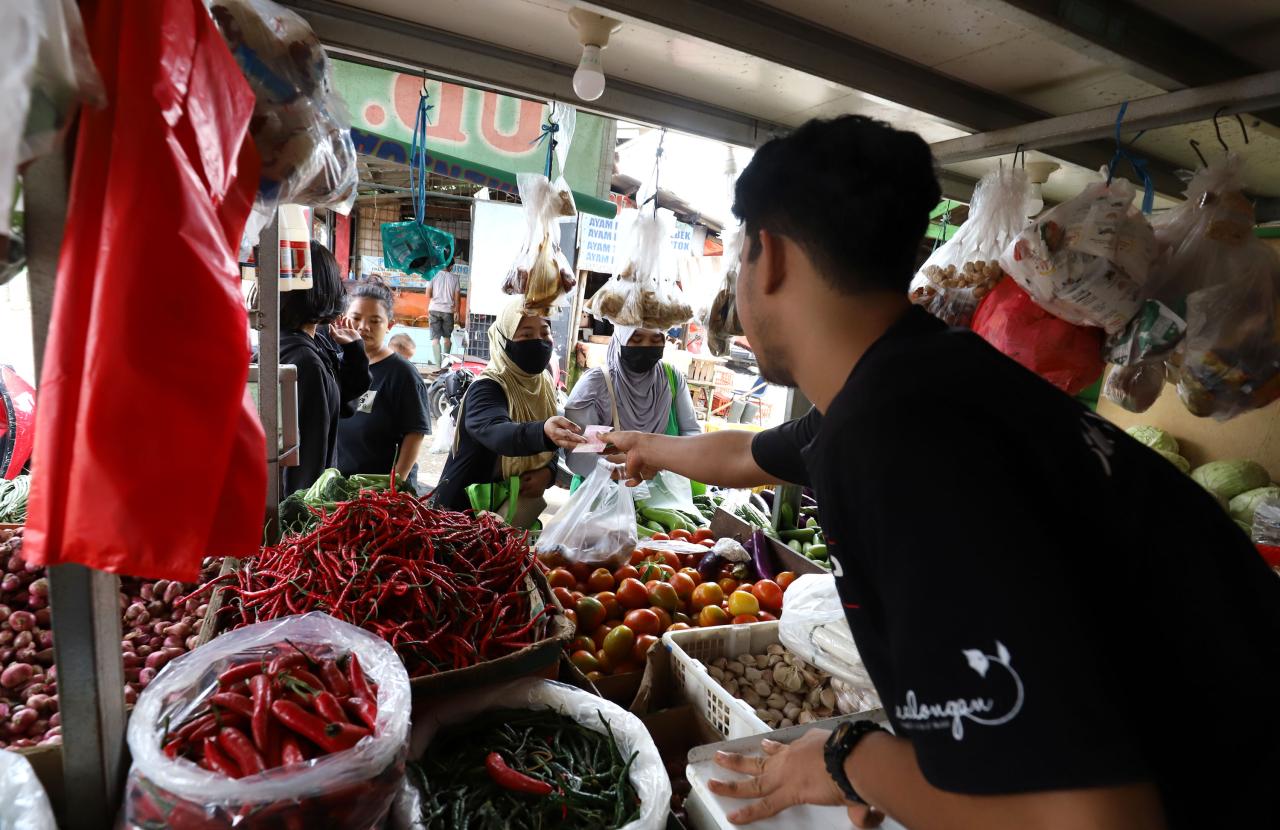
[332, 367]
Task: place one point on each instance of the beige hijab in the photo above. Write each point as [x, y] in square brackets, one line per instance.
[529, 397]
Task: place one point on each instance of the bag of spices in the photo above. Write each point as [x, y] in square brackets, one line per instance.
[644, 294]
[541, 272]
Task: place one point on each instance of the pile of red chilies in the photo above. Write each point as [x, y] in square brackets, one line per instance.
[447, 590]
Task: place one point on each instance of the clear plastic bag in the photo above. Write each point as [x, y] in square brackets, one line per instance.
[24, 805]
[20, 23]
[1087, 259]
[669, 491]
[813, 626]
[722, 322]
[349, 789]
[955, 278]
[648, 774]
[597, 526]
[541, 272]
[62, 76]
[300, 124]
[644, 294]
[442, 441]
[1266, 523]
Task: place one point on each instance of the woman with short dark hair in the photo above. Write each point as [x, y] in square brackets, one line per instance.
[331, 362]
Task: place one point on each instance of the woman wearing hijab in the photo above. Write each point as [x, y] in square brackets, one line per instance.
[507, 427]
[634, 391]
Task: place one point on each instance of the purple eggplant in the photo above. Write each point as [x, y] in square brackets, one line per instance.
[767, 497]
[761, 555]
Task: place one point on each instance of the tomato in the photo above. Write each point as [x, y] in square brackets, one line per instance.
[642, 621]
[769, 593]
[590, 612]
[784, 579]
[572, 616]
[600, 580]
[679, 626]
[707, 594]
[600, 632]
[581, 572]
[702, 534]
[679, 617]
[596, 676]
[561, 578]
[682, 585]
[660, 537]
[585, 661]
[744, 618]
[552, 559]
[632, 594]
[693, 574]
[664, 618]
[618, 643]
[576, 595]
[671, 560]
[681, 534]
[708, 543]
[582, 643]
[665, 572]
[612, 608]
[606, 663]
[765, 616]
[637, 556]
[563, 596]
[625, 572]
[643, 643]
[712, 615]
[742, 602]
[663, 595]
[648, 571]
[727, 584]
[744, 586]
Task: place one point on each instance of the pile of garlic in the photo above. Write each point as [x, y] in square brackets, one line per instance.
[782, 688]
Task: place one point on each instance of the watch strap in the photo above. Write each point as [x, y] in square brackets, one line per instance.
[838, 748]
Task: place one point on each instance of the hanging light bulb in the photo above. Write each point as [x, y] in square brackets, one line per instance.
[1038, 172]
[593, 33]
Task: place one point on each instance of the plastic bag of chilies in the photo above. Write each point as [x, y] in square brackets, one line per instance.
[642, 295]
[300, 124]
[953, 281]
[1087, 259]
[541, 272]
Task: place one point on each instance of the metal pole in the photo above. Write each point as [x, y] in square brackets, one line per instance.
[84, 602]
[268, 272]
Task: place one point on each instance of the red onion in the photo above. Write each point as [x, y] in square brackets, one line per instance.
[44, 617]
[130, 697]
[4, 612]
[22, 621]
[44, 639]
[146, 676]
[23, 639]
[7, 636]
[55, 720]
[37, 602]
[146, 592]
[10, 583]
[22, 720]
[39, 587]
[15, 675]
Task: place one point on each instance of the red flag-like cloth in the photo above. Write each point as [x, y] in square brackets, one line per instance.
[149, 454]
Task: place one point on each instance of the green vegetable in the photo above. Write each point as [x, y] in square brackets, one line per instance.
[818, 552]
[796, 545]
[13, 499]
[644, 532]
[786, 516]
[805, 535]
[669, 519]
[1243, 506]
[1176, 460]
[1228, 479]
[1153, 437]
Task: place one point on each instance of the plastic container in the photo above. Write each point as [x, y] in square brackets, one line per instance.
[731, 717]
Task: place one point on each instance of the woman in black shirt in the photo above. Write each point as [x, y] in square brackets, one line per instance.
[390, 420]
[332, 367]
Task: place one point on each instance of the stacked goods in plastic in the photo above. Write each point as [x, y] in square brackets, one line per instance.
[541, 272]
[644, 295]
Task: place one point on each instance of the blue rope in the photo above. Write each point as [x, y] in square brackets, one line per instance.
[418, 168]
[549, 131]
[1139, 165]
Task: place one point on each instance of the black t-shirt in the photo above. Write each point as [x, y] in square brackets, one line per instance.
[394, 406]
[1042, 602]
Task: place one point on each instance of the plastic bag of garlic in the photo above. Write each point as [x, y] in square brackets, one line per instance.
[813, 628]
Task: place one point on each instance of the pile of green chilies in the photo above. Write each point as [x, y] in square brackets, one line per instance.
[588, 774]
[447, 590]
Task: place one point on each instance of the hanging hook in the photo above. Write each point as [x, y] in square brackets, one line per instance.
[1021, 148]
[1218, 130]
[1243, 131]
[1195, 145]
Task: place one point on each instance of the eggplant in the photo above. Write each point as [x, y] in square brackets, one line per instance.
[758, 503]
[709, 566]
[762, 555]
[767, 497]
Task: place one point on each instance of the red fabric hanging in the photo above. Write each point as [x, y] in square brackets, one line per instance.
[148, 453]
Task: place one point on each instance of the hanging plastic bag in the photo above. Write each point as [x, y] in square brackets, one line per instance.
[644, 294]
[956, 277]
[444, 428]
[669, 491]
[300, 124]
[722, 321]
[416, 249]
[62, 76]
[597, 526]
[1087, 259]
[814, 628]
[541, 271]
[1137, 375]
[647, 773]
[351, 788]
[24, 805]
[1066, 355]
[19, 40]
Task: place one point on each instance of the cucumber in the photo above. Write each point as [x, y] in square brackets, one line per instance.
[796, 546]
[818, 552]
[786, 517]
[803, 535]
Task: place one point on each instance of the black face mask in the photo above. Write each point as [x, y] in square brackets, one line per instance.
[641, 359]
[532, 356]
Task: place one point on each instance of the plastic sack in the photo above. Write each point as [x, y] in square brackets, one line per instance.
[1086, 260]
[442, 441]
[62, 76]
[962, 271]
[597, 526]
[20, 22]
[416, 249]
[24, 805]
[1066, 355]
[349, 789]
[814, 628]
[642, 295]
[648, 775]
[541, 271]
[722, 322]
[300, 124]
[669, 491]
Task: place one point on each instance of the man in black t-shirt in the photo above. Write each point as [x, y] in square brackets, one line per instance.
[1064, 629]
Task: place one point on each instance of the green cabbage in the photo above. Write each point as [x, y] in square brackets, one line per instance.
[1176, 460]
[1228, 479]
[1243, 505]
[1153, 437]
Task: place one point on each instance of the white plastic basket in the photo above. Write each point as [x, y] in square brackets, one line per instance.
[731, 717]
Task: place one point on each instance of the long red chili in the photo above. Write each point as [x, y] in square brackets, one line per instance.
[290, 751]
[214, 759]
[260, 717]
[233, 702]
[328, 707]
[331, 737]
[239, 748]
[509, 779]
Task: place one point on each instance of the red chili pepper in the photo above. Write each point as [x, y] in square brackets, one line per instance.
[238, 746]
[287, 662]
[174, 747]
[230, 701]
[509, 779]
[333, 678]
[366, 711]
[235, 674]
[290, 751]
[260, 717]
[307, 679]
[192, 729]
[214, 759]
[328, 707]
[359, 683]
[331, 737]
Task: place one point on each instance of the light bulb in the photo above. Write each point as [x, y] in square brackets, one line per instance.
[1035, 202]
[588, 81]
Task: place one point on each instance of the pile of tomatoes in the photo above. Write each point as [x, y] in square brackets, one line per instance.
[620, 614]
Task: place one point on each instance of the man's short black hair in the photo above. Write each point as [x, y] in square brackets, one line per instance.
[322, 302]
[853, 192]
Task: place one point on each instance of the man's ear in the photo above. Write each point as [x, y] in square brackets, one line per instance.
[771, 265]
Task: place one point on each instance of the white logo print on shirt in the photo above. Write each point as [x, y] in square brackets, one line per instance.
[365, 403]
[959, 710]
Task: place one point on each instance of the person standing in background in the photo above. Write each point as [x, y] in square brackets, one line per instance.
[444, 304]
[403, 345]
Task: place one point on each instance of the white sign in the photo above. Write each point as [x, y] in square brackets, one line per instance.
[497, 235]
[603, 243]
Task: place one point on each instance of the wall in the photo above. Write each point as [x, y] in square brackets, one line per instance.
[1254, 435]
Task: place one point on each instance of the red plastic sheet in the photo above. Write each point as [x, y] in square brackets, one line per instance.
[1066, 355]
[148, 452]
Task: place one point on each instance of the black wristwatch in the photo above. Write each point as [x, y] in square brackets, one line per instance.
[838, 748]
